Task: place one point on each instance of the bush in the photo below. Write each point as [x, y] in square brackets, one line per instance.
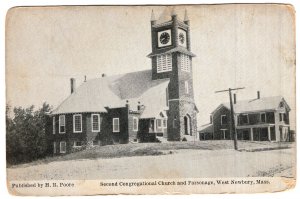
[25, 134]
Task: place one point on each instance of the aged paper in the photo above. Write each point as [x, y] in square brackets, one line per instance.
[185, 99]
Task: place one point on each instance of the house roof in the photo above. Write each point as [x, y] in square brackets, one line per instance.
[206, 128]
[266, 103]
[113, 91]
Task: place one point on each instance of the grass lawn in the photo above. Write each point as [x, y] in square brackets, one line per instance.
[151, 149]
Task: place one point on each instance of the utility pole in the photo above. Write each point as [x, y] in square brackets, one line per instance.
[232, 124]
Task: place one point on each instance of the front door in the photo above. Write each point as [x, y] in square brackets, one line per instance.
[186, 125]
[151, 126]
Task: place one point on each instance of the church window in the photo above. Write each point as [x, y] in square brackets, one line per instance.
[167, 97]
[164, 63]
[53, 124]
[186, 85]
[62, 147]
[77, 123]
[135, 124]
[185, 62]
[116, 125]
[61, 124]
[95, 123]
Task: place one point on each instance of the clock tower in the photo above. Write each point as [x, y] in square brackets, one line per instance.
[172, 59]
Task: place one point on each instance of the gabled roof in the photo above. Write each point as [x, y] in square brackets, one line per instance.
[254, 105]
[113, 91]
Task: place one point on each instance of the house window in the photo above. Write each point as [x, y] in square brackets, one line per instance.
[281, 117]
[77, 123]
[165, 123]
[53, 125]
[185, 62]
[186, 85]
[223, 119]
[62, 147]
[77, 144]
[244, 119]
[54, 147]
[116, 125]
[62, 128]
[158, 123]
[95, 123]
[164, 63]
[281, 105]
[263, 117]
[135, 123]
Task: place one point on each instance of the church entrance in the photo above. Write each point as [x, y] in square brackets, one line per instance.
[187, 125]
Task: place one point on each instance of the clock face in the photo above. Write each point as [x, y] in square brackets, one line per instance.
[181, 37]
[164, 38]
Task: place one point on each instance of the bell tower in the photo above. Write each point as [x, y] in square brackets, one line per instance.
[172, 58]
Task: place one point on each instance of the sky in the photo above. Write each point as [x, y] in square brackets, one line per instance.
[251, 46]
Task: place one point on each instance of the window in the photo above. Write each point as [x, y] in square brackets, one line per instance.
[53, 124]
[164, 63]
[116, 125]
[54, 147]
[95, 123]
[62, 128]
[263, 117]
[158, 123]
[244, 119]
[77, 144]
[63, 147]
[223, 119]
[77, 123]
[281, 105]
[135, 124]
[186, 85]
[281, 117]
[165, 123]
[185, 62]
[167, 97]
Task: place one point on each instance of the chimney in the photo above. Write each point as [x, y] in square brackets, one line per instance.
[127, 104]
[258, 95]
[139, 106]
[73, 85]
[85, 78]
[234, 98]
[103, 75]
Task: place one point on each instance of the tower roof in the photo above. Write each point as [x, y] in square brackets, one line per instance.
[167, 14]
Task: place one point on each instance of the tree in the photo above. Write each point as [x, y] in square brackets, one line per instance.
[25, 134]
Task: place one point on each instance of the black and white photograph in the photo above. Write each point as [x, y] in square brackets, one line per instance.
[150, 99]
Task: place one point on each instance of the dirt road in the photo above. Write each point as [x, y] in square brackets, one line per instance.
[182, 164]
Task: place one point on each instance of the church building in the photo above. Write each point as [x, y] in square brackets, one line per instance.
[143, 106]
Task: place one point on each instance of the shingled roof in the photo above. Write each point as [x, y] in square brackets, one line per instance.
[253, 105]
[113, 92]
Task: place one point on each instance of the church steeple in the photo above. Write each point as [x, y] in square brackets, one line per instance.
[171, 58]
